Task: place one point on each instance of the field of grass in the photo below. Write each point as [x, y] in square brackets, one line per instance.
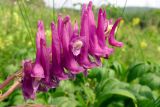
[129, 78]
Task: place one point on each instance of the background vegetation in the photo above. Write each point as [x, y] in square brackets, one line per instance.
[129, 78]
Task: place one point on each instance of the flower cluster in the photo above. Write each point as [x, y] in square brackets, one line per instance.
[72, 50]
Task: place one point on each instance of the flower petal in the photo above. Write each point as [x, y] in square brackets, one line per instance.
[27, 80]
[69, 61]
[45, 60]
[37, 71]
[57, 68]
[76, 41]
[101, 35]
[111, 38]
[94, 48]
[83, 57]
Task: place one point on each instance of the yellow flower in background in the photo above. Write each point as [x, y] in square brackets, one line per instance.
[122, 22]
[158, 48]
[143, 44]
[124, 48]
[136, 21]
[102, 60]
[48, 32]
[29, 43]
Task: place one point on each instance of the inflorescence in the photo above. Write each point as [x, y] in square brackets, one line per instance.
[72, 51]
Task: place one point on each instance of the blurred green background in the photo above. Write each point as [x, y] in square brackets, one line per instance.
[129, 78]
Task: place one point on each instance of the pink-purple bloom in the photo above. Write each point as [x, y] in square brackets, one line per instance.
[72, 51]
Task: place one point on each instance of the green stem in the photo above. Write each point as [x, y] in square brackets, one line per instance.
[25, 22]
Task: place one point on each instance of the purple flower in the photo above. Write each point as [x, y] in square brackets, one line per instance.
[111, 38]
[38, 71]
[34, 72]
[47, 82]
[100, 33]
[27, 87]
[95, 48]
[57, 68]
[76, 41]
[83, 57]
[71, 52]
[69, 61]
[97, 38]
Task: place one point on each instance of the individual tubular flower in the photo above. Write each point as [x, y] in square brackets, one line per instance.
[101, 35]
[69, 61]
[111, 38]
[76, 41]
[83, 57]
[38, 72]
[94, 49]
[57, 68]
[27, 87]
[71, 51]
[47, 82]
[94, 40]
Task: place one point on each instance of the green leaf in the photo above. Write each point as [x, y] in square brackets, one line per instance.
[125, 93]
[111, 73]
[146, 103]
[81, 100]
[65, 102]
[119, 92]
[118, 68]
[137, 70]
[152, 80]
[157, 102]
[111, 87]
[141, 92]
[89, 94]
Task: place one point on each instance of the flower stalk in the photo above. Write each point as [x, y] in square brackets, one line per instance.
[10, 78]
[11, 89]
[17, 83]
